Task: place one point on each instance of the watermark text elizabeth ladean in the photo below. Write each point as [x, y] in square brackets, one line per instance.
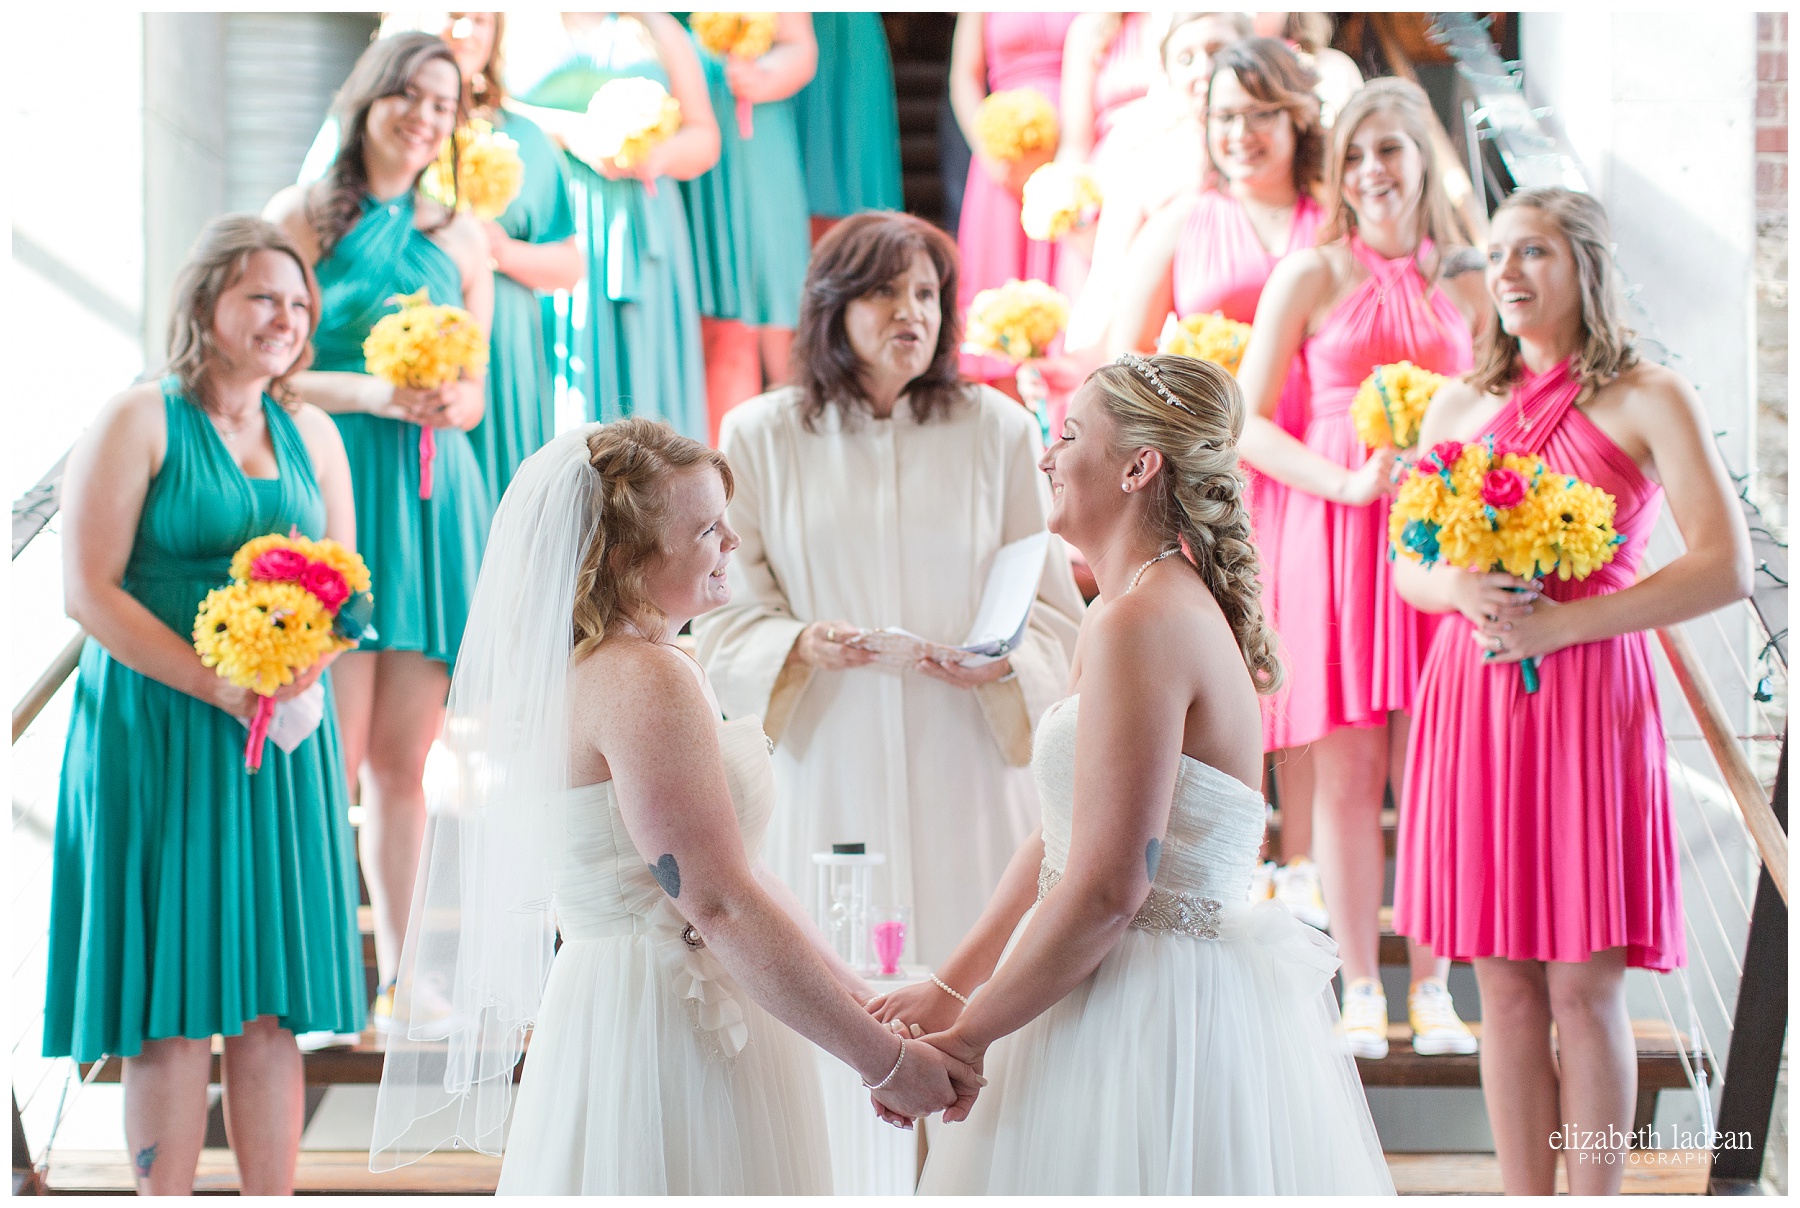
[1609, 1144]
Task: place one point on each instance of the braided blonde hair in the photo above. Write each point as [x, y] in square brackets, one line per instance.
[1199, 499]
[633, 459]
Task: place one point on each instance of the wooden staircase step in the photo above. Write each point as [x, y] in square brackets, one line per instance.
[348, 1065]
[319, 1172]
[1647, 1172]
[920, 77]
[1659, 1060]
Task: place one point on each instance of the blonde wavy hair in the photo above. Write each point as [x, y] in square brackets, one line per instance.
[632, 460]
[1199, 497]
[1608, 346]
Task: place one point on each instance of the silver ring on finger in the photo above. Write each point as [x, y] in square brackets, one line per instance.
[1497, 645]
[830, 634]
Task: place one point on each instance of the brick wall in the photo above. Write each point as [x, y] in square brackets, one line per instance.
[1770, 487]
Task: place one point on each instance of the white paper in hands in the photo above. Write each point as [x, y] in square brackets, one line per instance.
[295, 718]
[1000, 621]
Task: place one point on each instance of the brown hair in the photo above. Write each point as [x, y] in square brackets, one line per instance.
[383, 70]
[634, 459]
[487, 90]
[1200, 497]
[218, 259]
[1268, 71]
[1609, 347]
[857, 256]
[1311, 32]
[1240, 24]
[1407, 103]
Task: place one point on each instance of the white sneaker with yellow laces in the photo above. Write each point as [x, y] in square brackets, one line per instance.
[1262, 882]
[1297, 885]
[1365, 1020]
[1436, 1027]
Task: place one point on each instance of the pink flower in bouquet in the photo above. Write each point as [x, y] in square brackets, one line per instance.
[325, 583]
[279, 565]
[1503, 489]
[1447, 451]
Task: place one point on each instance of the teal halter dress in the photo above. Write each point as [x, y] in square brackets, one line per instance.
[521, 410]
[752, 235]
[849, 120]
[521, 387]
[628, 338]
[423, 554]
[189, 897]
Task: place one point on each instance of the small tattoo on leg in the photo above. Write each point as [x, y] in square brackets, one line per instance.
[145, 1159]
[668, 875]
[1152, 858]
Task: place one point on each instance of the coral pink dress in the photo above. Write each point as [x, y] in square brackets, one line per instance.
[1352, 647]
[1221, 267]
[1537, 826]
[1122, 79]
[1024, 50]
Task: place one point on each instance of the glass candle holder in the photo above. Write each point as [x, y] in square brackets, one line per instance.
[841, 906]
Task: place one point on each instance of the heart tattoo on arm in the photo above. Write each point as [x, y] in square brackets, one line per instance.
[667, 874]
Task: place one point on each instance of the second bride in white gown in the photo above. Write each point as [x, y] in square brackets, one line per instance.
[1143, 1032]
[666, 1051]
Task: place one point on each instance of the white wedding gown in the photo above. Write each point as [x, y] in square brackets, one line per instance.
[1200, 1057]
[649, 1071]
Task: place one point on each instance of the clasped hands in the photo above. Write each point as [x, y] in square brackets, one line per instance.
[926, 1015]
[831, 646]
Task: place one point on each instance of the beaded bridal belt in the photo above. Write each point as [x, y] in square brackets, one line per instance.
[1162, 912]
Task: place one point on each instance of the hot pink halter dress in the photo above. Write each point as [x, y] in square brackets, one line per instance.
[1352, 647]
[1537, 826]
[1024, 50]
[1221, 267]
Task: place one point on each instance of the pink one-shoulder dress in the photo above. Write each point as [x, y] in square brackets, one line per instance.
[1352, 647]
[1221, 267]
[1023, 50]
[1536, 826]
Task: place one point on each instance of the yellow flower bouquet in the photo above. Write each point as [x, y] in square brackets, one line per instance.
[1389, 406]
[1210, 337]
[291, 601]
[1480, 508]
[423, 346]
[736, 35]
[486, 174]
[1014, 123]
[1059, 198]
[1017, 321]
[630, 115]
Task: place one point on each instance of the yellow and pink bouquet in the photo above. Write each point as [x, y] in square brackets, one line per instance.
[423, 346]
[1208, 338]
[736, 35]
[1389, 406]
[486, 175]
[1017, 321]
[1057, 199]
[1014, 123]
[291, 601]
[631, 115]
[1478, 507]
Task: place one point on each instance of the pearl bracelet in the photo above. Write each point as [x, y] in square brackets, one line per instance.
[875, 1086]
[939, 982]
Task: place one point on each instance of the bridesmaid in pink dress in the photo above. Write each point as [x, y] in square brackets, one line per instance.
[994, 52]
[1109, 60]
[1535, 833]
[1384, 289]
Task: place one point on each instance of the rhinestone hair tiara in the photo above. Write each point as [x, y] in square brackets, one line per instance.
[1147, 371]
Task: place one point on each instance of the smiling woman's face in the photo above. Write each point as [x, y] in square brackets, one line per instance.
[893, 329]
[411, 127]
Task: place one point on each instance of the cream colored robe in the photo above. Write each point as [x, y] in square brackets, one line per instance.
[879, 523]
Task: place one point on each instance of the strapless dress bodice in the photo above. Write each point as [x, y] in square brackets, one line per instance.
[603, 887]
[1215, 829]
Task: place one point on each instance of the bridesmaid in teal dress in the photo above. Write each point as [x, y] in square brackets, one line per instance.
[632, 331]
[189, 898]
[371, 236]
[752, 237]
[849, 121]
[532, 245]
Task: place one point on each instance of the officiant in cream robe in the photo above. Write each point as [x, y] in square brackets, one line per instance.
[890, 522]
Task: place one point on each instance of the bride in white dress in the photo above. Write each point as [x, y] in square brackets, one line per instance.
[661, 1057]
[1143, 1031]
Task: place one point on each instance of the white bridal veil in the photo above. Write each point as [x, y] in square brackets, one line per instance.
[481, 932]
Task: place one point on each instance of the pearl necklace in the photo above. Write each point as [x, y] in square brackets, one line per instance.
[1173, 549]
